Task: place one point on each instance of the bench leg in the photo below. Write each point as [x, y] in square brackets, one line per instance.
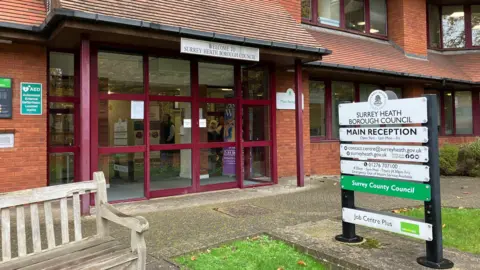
[138, 245]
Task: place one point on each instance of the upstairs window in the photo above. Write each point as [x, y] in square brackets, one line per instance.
[454, 26]
[365, 16]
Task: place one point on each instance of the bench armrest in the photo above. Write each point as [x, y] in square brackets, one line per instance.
[135, 223]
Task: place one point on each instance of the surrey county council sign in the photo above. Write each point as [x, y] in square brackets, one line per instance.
[222, 50]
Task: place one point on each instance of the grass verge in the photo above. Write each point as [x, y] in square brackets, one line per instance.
[259, 252]
[460, 227]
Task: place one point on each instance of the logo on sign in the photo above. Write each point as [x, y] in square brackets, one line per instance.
[377, 99]
[30, 88]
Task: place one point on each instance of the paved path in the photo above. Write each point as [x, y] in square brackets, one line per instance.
[187, 223]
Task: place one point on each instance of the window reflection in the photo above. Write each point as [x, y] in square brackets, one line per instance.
[355, 15]
[215, 81]
[257, 167]
[217, 122]
[170, 169]
[342, 92]
[62, 80]
[217, 165]
[170, 122]
[169, 77]
[476, 25]
[453, 25]
[61, 168]
[329, 12]
[61, 124]
[463, 112]
[378, 17]
[120, 73]
[317, 108]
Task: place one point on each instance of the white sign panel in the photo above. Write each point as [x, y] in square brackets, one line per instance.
[286, 101]
[120, 168]
[203, 123]
[381, 111]
[384, 152]
[187, 123]
[7, 140]
[390, 223]
[136, 109]
[418, 173]
[222, 50]
[385, 134]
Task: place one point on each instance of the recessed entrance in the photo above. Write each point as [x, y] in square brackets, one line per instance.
[164, 126]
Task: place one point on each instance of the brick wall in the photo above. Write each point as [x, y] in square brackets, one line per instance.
[293, 7]
[407, 24]
[325, 158]
[456, 140]
[286, 137]
[25, 165]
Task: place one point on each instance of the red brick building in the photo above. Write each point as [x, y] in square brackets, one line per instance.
[174, 97]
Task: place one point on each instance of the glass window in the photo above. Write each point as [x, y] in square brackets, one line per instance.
[317, 108]
[215, 81]
[120, 73]
[448, 112]
[217, 165]
[342, 92]
[170, 169]
[217, 122]
[453, 26]
[396, 90]
[255, 83]
[257, 166]
[476, 25]
[62, 70]
[306, 9]
[434, 26]
[329, 12]
[170, 122]
[61, 124]
[169, 77]
[256, 123]
[439, 106]
[366, 90]
[378, 17]
[354, 15]
[463, 112]
[124, 174]
[61, 168]
[115, 125]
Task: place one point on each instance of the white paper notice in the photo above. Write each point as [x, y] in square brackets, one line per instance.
[203, 123]
[136, 109]
[187, 123]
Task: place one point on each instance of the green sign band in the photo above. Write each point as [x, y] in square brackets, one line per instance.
[5, 83]
[400, 189]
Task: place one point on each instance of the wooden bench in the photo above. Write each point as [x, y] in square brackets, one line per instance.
[100, 251]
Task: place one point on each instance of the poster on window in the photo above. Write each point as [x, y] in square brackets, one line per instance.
[229, 160]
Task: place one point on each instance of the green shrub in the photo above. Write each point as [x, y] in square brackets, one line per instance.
[448, 159]
[469, 159]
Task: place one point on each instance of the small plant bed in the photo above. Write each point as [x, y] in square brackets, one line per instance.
[260, 252]
[460, 227]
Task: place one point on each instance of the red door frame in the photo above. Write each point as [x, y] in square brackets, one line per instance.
[195, 145]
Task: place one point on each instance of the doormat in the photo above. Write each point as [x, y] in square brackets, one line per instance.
[245, 210]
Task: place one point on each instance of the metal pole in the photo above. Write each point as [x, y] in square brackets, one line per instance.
[299, 122]
[433, 210]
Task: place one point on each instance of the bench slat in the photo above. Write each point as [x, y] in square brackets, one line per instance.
[64, 220]
[6, 248]
[37, 241]
[49, 227]
[21, 236]
[76, 217]
[36, 195]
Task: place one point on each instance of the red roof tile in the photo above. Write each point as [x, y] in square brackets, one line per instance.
[259, 19]
[469, 63]
[366, 53]
[29, 12]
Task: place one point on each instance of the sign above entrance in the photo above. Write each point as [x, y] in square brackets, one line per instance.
[222, 50]
[286, 101]
[379, 110]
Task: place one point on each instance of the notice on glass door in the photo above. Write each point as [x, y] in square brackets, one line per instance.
[137, 110]
[203, 123]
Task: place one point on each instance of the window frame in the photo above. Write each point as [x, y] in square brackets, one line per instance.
[328, 105]
[313, 20]
[467, 9]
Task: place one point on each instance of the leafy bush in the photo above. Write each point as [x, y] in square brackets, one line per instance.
[448, 159]
[469, 159]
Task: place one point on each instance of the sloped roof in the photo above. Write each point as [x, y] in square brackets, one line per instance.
[382, 56]
[28, 12]
[258, 19]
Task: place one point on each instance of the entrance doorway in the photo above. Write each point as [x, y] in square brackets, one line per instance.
[165, 126]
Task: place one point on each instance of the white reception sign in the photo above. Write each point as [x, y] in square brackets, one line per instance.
[385, 134]
[389, 223]
[286, 101]
[378, 110]
[222, 50]
[419, 173]
[384, 152]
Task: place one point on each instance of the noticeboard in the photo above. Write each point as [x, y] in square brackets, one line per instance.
[5, 98]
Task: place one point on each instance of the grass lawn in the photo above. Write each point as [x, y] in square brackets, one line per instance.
[255, 253]
[461, 227]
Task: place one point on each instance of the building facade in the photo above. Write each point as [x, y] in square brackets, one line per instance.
[178, 97]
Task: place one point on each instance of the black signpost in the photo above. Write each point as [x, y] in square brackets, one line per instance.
[5, 98]
[433, 208]
[431, 229]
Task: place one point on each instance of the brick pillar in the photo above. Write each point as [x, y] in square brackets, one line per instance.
[407, 25]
